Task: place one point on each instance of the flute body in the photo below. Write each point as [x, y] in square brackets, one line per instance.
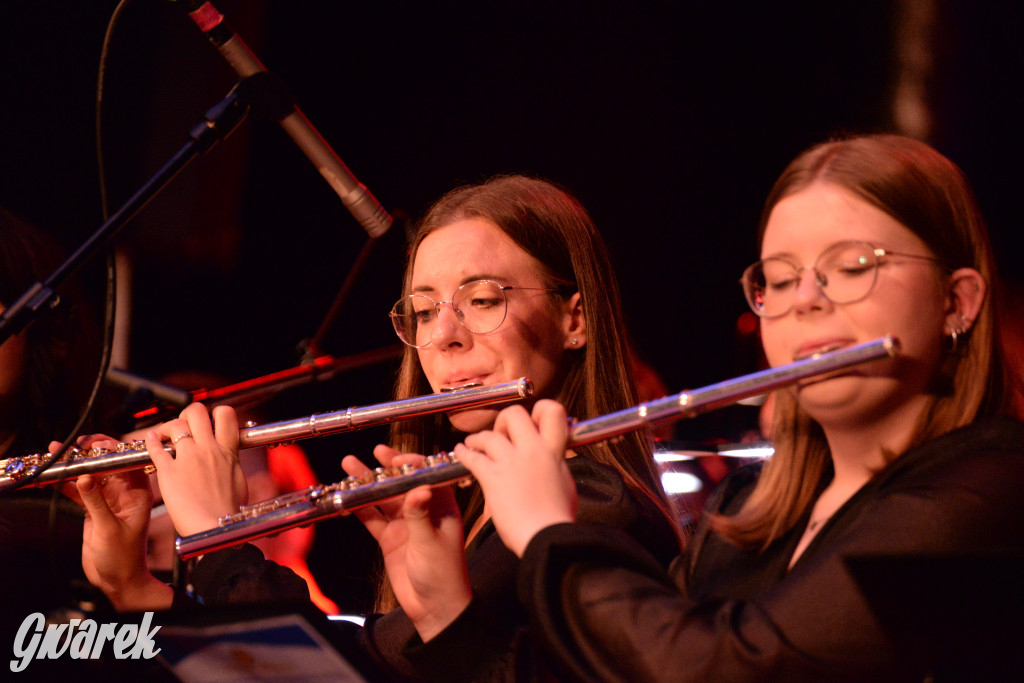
[131, 455]
[330, 500]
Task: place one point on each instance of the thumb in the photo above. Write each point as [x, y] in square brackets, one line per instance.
[93, 500]
[416, 513]
[417, 503]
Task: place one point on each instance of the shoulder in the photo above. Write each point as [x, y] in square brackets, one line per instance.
[600, 490]
[998, 434]
[957, 492]
[733, 491]
[987, 449]
[606, 500]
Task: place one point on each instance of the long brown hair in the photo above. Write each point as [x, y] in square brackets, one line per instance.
[59, 346]
[550, 225]
[929, 195]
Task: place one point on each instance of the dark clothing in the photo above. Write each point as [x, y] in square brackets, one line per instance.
[605, 610]
[40, 559]
[487, 641]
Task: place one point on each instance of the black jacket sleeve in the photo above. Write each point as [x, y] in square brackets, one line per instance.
[605, 610]
[240, 576]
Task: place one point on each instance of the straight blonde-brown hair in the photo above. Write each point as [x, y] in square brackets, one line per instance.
[929, 195]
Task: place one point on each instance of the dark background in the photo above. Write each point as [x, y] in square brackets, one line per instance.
[669, 121]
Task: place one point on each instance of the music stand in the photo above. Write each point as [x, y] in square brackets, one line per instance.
[255, 643]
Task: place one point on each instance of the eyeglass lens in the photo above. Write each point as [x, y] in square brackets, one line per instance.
[479, 305]
[845, 273]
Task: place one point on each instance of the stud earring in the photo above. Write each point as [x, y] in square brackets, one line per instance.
[573, 341]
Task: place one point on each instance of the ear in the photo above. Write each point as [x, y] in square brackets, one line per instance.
[967, 289]
[575, 324]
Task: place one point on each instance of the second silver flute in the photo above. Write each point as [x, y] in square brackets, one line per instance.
[132, 455]
[317, 503]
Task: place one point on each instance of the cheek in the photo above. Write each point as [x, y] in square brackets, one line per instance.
[774, 342]
[427, 358]
[917, 304]
[921, 338]
[540, 356]
[533, 337]
[915, 320]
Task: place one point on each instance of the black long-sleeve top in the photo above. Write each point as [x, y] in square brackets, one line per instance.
[489, 640]
[944, 523]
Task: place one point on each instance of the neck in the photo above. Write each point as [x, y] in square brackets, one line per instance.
[860, 448]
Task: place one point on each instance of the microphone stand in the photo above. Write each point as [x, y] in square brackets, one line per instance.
[218, 122]
[310, 348]
[251, 391]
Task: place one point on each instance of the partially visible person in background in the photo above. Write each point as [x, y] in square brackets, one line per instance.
[45, 377]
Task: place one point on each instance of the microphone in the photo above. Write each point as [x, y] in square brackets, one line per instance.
[360, 202]
[174, 396]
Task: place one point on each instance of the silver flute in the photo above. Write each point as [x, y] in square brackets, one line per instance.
[320, 502]
[133, 455]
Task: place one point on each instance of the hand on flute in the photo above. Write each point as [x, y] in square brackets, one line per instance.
[521, 466]
[203, 480]
[117, 509]
[421, 539]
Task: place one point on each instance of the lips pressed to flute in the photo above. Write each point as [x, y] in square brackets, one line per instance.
[331, 500]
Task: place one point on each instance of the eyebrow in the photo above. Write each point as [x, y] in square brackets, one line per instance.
[790, 256]
[468, 278]
[787, 256]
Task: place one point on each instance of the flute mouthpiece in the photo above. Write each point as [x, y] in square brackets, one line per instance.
[460, 387]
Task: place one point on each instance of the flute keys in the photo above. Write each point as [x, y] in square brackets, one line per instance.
[15, 469]
[439, 459]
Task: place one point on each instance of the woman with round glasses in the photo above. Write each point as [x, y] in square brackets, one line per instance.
[851, 553]
[506, 279]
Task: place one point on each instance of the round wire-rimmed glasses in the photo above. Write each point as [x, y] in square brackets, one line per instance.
[480, 306]
[845, 273]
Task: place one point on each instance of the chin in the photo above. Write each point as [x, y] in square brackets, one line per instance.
[841, 400]
[827, 396]
[473, 420]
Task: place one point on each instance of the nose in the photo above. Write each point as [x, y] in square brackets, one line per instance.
[447, 329]
[809, 293]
